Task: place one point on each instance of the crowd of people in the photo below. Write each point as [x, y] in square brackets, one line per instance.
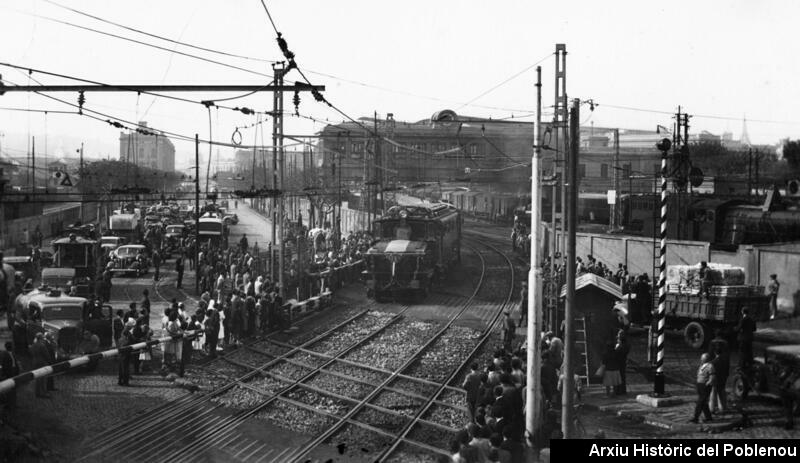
[495, 400]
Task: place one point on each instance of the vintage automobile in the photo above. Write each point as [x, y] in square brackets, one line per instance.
[130, 259]
[231, 219]
[110, 243]
[46, 310]
[24, 267]
[769, 373]
[175, 232]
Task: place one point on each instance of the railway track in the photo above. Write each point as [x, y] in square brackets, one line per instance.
[327, 379]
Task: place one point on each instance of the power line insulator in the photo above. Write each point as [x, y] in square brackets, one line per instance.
[81, 101]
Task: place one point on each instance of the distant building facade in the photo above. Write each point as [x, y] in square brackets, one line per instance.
[154, 151]
[452, 148]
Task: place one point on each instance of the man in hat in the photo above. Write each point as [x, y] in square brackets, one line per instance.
[131, 312]
[523, 303]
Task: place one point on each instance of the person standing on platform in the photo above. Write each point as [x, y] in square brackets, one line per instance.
[772, 289]
[705, 380]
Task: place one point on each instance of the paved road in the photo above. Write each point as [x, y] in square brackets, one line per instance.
[257, 228]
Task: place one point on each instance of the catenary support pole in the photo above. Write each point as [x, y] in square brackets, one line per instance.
[533, 390]
[197, 213]
[568, 369]
[282, 200]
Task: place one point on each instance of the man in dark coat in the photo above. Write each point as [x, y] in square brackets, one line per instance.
[179, 267]
[10, 368]
[50, 343]
[156, 265]
[745, 331]
[622, 348]
[124, 370]
[40, 357]
[146, 303]
[472, 386]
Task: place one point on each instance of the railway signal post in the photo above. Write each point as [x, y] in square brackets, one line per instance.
[658, 382]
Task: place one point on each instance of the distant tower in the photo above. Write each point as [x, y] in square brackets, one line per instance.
[745, 139]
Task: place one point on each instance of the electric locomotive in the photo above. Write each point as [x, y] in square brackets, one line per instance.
[415, 247]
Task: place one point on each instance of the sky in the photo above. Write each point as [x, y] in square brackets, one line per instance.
[638, 61]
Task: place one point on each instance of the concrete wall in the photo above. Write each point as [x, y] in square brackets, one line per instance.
[758, 261]
[51, 222]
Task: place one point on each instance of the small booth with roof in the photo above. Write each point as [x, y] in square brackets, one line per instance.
[596, 321]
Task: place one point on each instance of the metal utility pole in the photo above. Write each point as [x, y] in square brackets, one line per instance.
[569, 312]
[277, 158]
[533, 389]
[197, 213]
[560, 116]
[615, 207]
[378, 166]
[277, 69]
[749, 172]
[81, 207]
[33, 164]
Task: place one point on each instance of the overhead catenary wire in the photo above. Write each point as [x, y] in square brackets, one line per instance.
[342, 79]
[506, 81]
[220, 63]
[250, 58]
[160, 37]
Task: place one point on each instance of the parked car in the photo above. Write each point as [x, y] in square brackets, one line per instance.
[231, 219]
[110, 243]
[130, 259]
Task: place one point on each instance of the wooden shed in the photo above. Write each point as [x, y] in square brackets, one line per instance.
[595, 298]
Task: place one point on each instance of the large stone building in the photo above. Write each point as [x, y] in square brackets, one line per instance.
[154, 151]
